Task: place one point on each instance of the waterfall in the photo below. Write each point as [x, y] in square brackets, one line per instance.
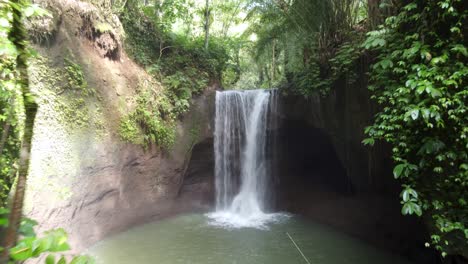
[243, 171]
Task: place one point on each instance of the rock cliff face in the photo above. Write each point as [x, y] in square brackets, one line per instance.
[342, 116]
[83, 177]
[327, 174]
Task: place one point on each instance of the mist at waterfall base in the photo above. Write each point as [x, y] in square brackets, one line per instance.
[243, 173]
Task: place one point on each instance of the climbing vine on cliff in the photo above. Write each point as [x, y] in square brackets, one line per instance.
[419, 79]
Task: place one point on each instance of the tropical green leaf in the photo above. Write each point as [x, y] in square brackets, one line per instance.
[398, 170]
[50, 259]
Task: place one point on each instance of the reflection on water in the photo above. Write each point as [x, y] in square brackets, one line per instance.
[191, 239]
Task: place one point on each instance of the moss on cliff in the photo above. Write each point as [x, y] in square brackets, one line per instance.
[65, 93]
[153, 118]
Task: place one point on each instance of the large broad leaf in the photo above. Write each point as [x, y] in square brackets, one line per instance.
[410, 208]
[82, 260]
[406, 209]
[27, 227]
[378, 42]
[408, 193]
[431, 146]
[50, 259]
[3, 221]
[403, 170]
[433, 92]
[23, 250]
[410, 6]
[44, 245]
[398, 170]
[368, 141]
[414, 114]
[62, 261]
[460, 49]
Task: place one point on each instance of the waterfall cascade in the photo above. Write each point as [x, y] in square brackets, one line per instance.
[243, 171]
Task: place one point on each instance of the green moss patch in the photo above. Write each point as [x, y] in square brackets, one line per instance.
[66, 94]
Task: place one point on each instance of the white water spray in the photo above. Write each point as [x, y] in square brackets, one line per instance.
[242, 171]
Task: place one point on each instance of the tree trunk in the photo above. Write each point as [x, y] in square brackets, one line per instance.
[267, 75]
[238, 66]
[287, 72]
[207, 24]
[373, 12]
[306, 55]
[18, 36]
[5, 132]
[273, 61]
[261, 77]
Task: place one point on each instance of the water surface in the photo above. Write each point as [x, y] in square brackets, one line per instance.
[191, 239]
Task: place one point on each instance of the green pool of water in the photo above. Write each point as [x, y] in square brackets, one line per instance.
[191, 239]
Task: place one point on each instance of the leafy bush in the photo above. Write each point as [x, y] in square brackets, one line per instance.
[420, 80]
[320, 77]
[129, 130]
[142, 38]
[31, 246]
[152, 121]
[76, 78]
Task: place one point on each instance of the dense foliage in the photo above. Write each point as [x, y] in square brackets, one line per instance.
[155, 40]
[177, 60]
[420, 80]
[308, 43]
[10, 106]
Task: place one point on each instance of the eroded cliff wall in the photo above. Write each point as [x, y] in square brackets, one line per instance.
[83, 177]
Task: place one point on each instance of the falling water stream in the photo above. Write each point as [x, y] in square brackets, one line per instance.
[242, 229]
[242, 171]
